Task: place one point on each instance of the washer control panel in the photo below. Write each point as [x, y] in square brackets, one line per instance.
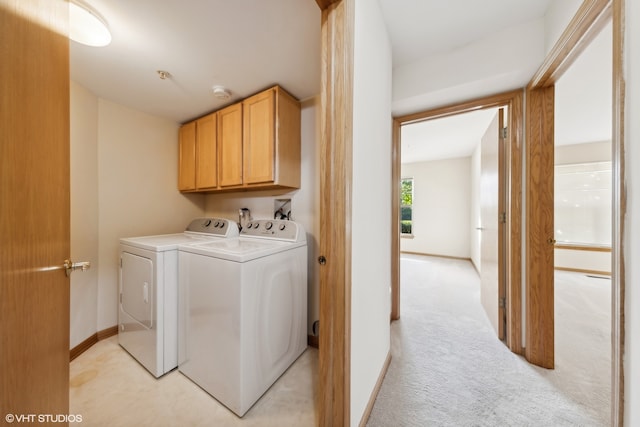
[216, 226]
[275, 229]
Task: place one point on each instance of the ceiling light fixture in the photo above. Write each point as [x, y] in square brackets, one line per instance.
[86, 26]
[221, 92]
[163, 74]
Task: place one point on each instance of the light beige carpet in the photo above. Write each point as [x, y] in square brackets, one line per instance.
[449, 369]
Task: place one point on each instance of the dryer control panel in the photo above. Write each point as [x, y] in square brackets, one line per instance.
[275, 229]
[216, 226]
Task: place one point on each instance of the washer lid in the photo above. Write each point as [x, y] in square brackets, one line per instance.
[241, 249]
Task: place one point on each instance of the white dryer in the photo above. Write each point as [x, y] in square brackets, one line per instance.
[243, 310]
[148, 285]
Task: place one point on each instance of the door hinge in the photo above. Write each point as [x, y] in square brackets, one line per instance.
[502, 302]
[503, 133]
[503, 217]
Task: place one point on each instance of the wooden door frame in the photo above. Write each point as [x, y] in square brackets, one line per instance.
[513, 164]
[586, 24]
[336, 133]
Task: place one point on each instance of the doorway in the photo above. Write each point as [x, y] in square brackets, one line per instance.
[587, 23]
[582, 223]
[453, 197]
[512, 206]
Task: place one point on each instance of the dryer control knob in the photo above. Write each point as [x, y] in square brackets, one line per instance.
[282, 227]
[269, 225]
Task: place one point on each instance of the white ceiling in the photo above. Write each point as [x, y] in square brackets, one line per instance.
[446, 138]
[423, 28]
[244, 45]
[248, 45]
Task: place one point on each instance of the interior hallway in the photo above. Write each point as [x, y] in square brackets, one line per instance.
[448, 369]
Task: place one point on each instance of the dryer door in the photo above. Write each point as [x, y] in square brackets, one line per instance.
[138, 288]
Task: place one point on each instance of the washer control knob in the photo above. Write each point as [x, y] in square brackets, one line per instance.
[207, 223]
[269, 225]
[282, 227]
[217, 224]
[256, 225]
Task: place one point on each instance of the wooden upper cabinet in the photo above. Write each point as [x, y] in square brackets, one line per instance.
[288, 139]
[272, 139]
[206, 152]
[253, 144]
[187, 157]
[230, 145]
[259, 138]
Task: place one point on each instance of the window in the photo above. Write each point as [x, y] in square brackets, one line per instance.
[406, 206]
[583, 203]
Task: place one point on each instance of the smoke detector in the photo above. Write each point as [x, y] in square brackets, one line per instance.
[221, 92]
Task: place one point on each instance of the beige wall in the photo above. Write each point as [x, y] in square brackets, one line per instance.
[441, 207]
[84, 212]
[370, 201]
[123, 183]
[583, 153]
[138, 195]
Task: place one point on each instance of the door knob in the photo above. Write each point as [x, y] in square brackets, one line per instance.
[551, 241]
[70, 266]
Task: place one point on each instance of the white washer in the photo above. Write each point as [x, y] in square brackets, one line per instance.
[148, 285]
[243, 310]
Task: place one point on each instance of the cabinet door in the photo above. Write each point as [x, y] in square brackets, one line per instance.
[206, 152]
[259, 138]
[230, 145]
[187, 157]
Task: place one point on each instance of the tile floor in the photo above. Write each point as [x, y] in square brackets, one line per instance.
[108, 387]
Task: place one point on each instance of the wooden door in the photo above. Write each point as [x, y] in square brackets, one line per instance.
[492, 205]
[207, 152]
[259, 137]
[539, 293]
[34, 195]
[187, 157]
[230, 146]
